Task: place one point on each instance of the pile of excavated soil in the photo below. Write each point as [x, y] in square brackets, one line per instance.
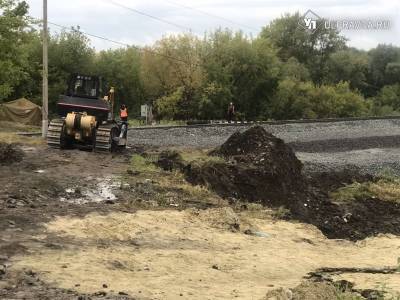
[9, 153]
[257, 166]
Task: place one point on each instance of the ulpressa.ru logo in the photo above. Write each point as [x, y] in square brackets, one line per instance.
[310, 21]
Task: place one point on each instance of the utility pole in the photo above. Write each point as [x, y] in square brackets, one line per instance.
[45, 92]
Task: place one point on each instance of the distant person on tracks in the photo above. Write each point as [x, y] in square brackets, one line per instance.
[231, 112]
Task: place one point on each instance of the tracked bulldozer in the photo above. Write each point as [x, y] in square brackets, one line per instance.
[86, 117]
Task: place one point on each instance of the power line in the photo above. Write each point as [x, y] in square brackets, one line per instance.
[124, 44]
[148, 15]
[90, 34]
[209, 14]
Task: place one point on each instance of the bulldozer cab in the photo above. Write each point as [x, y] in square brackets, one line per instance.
[83, 86]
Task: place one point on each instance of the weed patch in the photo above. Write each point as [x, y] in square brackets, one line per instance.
[386, 189]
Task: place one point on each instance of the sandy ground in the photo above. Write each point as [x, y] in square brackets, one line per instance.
[193, 254]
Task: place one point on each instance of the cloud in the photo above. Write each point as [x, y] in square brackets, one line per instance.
[102, 17]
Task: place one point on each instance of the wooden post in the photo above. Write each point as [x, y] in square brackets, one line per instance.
[45, 92]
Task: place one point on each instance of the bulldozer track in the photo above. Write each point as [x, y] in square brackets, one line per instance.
[54, 133]
[103, 136]
[103, 139]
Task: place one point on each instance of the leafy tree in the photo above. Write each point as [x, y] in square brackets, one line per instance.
[348, 65]
[211, 103]
[392, 72]
[285, 72]
[121, 69]
[173, 64]
[295, 70]
[13, 26]
[310, 48]
[30, 85]
[389, 96]
[338, 101]
[292, 100]
[245, 71]
[69, 53]
[381, 68]
[167, 107]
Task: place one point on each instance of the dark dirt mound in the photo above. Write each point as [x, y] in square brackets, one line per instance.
[260, 148]
[354, 220]
[9, 153]
[257, 167]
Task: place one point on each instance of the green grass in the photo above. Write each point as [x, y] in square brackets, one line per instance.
[200, 157]
[6, 126]
[12, 138]
[8, 134]
[387, 188]
[166, 189]
[141, 164]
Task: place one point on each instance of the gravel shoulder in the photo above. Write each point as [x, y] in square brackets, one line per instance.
[371, 145]
[208, 137]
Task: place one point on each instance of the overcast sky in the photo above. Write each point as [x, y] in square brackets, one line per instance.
[105, 18]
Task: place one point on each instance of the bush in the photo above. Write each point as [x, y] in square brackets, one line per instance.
[389, 96]
[296, 99]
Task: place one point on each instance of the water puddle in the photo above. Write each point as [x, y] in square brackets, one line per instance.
[102, 190]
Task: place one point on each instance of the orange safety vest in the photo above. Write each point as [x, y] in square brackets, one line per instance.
[124, 113]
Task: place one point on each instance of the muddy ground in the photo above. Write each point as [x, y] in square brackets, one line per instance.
[82, 225]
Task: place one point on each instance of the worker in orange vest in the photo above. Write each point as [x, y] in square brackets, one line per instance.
[123, 113]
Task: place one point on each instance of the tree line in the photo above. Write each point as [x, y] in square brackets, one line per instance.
[285, 72]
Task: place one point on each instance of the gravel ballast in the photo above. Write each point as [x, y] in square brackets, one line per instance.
[372, 145]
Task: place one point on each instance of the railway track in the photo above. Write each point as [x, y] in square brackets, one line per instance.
[218, 123]
[213, 123]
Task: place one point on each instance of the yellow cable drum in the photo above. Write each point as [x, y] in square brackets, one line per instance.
[80, 124]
